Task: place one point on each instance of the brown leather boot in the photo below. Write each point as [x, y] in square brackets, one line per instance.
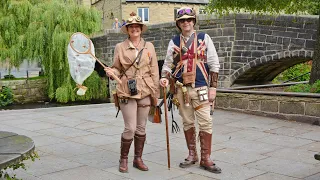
[192, 158]
[206, 163]
[125, 147]
[138, 149]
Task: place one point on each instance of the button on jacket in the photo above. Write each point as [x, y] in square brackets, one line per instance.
[145, 71]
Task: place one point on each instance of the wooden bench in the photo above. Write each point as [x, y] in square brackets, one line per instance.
[13, 148]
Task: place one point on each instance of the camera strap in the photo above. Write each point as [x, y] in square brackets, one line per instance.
[137, 59]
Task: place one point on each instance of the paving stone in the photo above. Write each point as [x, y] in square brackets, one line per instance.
[82, 173]
[247, 134]
[49, 164]
[225, 129]
[253, 125]
[37, 126]
[250, 146]
[99, 159]
[273, 176]
[287, 131]
[192, 177]
[313, 135]
[315, 146]
[95, 139]
[64, 132]
[45, 140]
[90, 125]
[62, 120]
[68, 149]
[107, 130]
[229, 172]
[156, 171]
[313, 177]
[299, 155]
[285, 141]
[285, 167]
[237, 157]
[14, 122]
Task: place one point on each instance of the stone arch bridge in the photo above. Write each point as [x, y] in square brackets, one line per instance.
[252, 49]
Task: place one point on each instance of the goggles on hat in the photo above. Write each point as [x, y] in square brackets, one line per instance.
[186, 11]
[134, 18]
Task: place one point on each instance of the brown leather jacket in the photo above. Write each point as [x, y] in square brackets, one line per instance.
[146, 72]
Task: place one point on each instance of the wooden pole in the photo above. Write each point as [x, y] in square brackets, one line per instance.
[166, 119]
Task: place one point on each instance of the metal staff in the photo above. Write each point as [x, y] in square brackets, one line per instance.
[166, 119]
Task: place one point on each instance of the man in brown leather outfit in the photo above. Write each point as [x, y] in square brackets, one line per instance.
[192, 65]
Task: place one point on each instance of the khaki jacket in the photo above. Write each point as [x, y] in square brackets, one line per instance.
[146, 72]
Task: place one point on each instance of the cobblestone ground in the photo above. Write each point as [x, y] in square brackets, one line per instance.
[83, 142]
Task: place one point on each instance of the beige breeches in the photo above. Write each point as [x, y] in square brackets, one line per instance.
[189, 114]
[135, 115]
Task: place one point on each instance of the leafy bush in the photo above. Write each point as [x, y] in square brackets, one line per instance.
[6, 96]
[314, 88]
[97, 90]
[293, 72]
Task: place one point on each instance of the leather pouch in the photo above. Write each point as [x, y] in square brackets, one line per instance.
[188, 77]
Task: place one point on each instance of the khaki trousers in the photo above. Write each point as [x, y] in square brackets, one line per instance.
[189, 114]
[135, 115]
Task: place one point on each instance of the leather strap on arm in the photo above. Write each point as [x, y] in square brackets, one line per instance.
[213, 79]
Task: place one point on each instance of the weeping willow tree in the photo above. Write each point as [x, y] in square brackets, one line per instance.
[275, 7]
[39, 30]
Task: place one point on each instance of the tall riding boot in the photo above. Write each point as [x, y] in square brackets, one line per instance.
[206, 162]
[192, 158]
[125, 147]
[138, 149]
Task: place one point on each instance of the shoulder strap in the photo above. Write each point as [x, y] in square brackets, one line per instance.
[135, 60]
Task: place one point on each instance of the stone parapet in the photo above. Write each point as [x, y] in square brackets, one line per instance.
[294, 108]
[27, 91]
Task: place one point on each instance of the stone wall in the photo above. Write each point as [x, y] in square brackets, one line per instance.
[26, 91]
[302, 109]
[252, 49]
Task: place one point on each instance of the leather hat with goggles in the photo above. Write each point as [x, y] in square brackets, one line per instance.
[134, 19]
[185, 13]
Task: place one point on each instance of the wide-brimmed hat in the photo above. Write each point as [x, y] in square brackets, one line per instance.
[133, 19]
[185, 13]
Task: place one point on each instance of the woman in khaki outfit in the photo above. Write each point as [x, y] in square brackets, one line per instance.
[139, 88]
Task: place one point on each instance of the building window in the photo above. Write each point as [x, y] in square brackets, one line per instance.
[144, 14]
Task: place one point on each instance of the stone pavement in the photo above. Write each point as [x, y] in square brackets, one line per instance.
[83, 142]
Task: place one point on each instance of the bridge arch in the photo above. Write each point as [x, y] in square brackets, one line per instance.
[264, 69]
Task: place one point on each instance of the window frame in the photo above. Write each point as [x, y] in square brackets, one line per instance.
[142, 16]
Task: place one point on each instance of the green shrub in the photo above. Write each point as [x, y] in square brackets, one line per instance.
[293, 72]
[6, 96]
[97, 90]
[314, 88]
[298, 88]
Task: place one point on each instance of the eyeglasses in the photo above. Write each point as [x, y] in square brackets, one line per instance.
[183, 20]
[186, 11]
[134, 18]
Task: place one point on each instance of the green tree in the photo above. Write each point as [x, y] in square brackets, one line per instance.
[276, 7]
[39, 30]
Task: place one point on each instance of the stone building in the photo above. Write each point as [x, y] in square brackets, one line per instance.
[151, 11]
